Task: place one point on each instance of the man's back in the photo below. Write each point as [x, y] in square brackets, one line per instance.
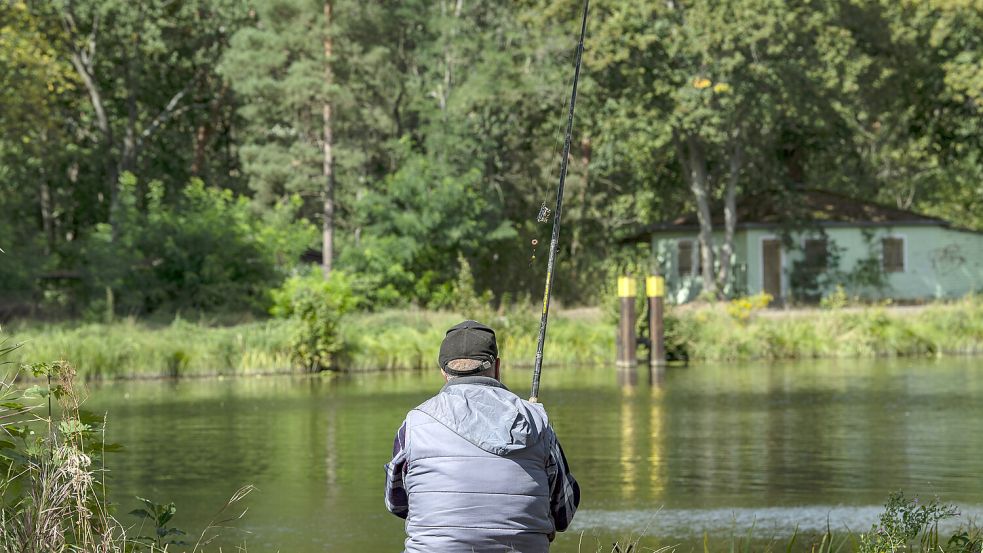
[476, 468]
[476, 474]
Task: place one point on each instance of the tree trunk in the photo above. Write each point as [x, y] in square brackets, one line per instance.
[205, 131]
[575, 235]
[327, 225]
[83, 62]
[47, 214]
[699, 177]
[730, 217]
[127, 160]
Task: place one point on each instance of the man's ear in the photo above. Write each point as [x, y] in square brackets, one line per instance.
[442, 373]
[498, 365]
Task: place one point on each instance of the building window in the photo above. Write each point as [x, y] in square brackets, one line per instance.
[892, 254]
[816, 254]
[684, 257]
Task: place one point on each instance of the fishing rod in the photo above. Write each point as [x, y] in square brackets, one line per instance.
[554, 240]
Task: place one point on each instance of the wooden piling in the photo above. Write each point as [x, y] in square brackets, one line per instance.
[655, 289]
[626, 323]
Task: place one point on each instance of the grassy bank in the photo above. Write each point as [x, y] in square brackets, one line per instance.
[404, 339]
[408, 339]
[731, 331]
[131, 349]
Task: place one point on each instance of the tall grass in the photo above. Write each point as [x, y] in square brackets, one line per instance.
[396, 339]
[132, 349]
[53, 496]
[713, 334]
[409, 339]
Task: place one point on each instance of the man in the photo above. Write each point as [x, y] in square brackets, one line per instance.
[476, 468]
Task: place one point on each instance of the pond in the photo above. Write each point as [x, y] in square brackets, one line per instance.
[696, 448]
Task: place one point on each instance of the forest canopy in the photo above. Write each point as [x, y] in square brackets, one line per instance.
[194, 154]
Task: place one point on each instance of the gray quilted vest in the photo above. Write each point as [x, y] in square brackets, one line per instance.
[476, 473]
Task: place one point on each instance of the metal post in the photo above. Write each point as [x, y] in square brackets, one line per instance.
[626, 323]
[655, 289]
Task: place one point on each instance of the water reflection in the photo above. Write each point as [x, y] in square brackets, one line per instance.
[629, 455]
[657, 377]
[627, 377]
[657, 468]
[694, 441]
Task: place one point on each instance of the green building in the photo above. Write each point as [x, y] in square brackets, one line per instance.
[819, 240]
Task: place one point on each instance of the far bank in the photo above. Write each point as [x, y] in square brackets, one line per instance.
[408, 339]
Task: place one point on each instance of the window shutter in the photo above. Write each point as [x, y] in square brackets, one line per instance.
[684, 257]
[892, 249]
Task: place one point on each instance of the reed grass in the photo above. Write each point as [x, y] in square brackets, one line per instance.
[409, 339]
[711, 333]
[133, 349]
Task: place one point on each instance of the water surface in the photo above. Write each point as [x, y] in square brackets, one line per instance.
[697, 448]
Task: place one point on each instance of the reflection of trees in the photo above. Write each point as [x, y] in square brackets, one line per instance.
[820, 432]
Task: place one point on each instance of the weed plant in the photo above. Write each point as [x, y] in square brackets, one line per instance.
[53, 496]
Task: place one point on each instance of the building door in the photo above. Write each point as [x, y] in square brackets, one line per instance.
[771, 266]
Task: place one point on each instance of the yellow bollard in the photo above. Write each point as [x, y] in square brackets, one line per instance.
[626, 323]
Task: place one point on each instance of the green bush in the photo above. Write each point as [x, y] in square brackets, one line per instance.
[318, 305]
[205, 250]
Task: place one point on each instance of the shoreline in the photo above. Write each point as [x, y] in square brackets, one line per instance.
[408, 339]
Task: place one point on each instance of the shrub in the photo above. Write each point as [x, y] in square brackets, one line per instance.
[317, 304]
[742, 308]
[460, 295]
[205, 250]
[837, 299]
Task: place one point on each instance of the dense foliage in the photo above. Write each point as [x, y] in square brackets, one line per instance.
[161, 156]
[317, 304]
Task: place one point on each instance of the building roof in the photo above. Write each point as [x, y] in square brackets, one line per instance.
[797, 209]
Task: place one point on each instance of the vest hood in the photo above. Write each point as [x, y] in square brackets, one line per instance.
[488, 415]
